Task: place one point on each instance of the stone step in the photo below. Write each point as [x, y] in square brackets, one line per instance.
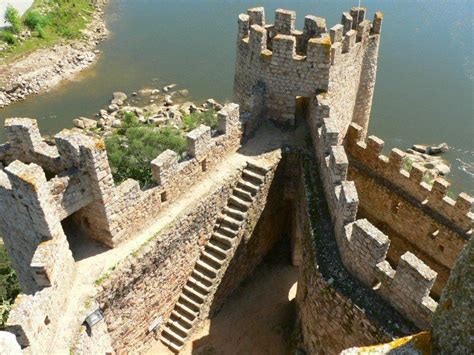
[221, 245]
[193, 292]
[249, 175]
[248, 186]
[242, 194]
[201, 264]
[185, 310]
[257, 169]
[216, 264]
[198, 275]
[235, 213]
[174, 335]
[181, 317]
[230, 222]
[213, 256]
[239, 204]
[217, 250]
[172, 345]
[227, 232]
[175, 325]
[198, 286]
[193, 304]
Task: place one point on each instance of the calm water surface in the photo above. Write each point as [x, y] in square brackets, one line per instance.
[424, 90]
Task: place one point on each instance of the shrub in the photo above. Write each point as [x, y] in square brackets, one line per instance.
[8, 37]
[208, 118]
[13, 18]
[34, 20]
[9, 287]
[132, 147]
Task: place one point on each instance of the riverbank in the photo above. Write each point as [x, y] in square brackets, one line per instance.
[44, 68]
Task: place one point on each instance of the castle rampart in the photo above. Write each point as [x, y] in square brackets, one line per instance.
[363, 248]
[82, 189]
[419, 216]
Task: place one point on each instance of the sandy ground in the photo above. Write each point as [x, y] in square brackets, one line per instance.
[20, 5]
[258, 319]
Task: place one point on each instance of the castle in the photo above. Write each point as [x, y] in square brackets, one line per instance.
[375, 244]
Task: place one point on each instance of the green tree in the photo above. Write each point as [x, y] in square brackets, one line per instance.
[13, 18]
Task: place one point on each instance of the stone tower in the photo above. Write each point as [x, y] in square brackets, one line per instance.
[279, 68]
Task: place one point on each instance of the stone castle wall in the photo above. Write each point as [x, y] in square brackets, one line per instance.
[165, 265]
[363, 248]
[32, 207]
[277, 63]
[419, 217]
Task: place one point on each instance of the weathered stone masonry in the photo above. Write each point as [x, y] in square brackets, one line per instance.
[33, 207]
[277, 63]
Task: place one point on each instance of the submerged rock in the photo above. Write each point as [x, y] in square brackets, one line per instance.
[84, 123]
[428, 149]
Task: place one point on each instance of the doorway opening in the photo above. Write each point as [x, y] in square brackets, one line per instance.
[302, 109]
[81, 245]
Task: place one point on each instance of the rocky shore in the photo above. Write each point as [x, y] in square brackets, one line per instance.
[44, 68]
[153, 107]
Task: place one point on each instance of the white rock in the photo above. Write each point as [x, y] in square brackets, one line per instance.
[116, 124]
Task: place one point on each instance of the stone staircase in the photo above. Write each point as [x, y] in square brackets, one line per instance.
[214, 259]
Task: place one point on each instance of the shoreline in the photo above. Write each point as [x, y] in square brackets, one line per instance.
[45, 68]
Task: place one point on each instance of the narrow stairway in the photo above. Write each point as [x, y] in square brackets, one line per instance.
[209, 268]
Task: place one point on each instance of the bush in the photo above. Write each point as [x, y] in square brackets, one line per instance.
[133, 147]
[8, 37]
[13, 18]
[9, 287]
[208, 118]
[34, 20]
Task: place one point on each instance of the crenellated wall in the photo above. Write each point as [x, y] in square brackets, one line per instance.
[277, 63]
[363, 248]
[82, 187]
[420, 217]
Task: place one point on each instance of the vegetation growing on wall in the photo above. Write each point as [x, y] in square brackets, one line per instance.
[47, 22]
[9, 287]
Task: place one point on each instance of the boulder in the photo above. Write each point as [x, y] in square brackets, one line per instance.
[168, 101]
[84, 123]
[119, 96]
[113, 108]
[116, 123]
[428, 149]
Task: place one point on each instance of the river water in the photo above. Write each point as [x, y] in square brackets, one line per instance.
[424, 91]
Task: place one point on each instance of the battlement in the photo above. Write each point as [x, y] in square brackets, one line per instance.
[82, 189]
[368, 155]
[280, 42]
[277, 63]
[362, 246]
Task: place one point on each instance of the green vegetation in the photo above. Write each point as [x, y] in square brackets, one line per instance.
[193, 120]
[9, 287]
[50, 21]
[407, 164]
[12, 17]
[133, 146]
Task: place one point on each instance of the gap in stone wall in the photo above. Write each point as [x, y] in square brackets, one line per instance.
[80, 244]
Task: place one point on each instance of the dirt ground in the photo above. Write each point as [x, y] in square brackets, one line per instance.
[258, 319]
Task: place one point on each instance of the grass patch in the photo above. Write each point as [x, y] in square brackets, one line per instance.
[9, 287]
[192, 121]
[133, 146]
[407, 164]
[50, 22]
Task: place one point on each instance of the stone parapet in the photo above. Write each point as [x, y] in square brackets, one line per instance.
[363, 247]
[456, 212]
[290, 63]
